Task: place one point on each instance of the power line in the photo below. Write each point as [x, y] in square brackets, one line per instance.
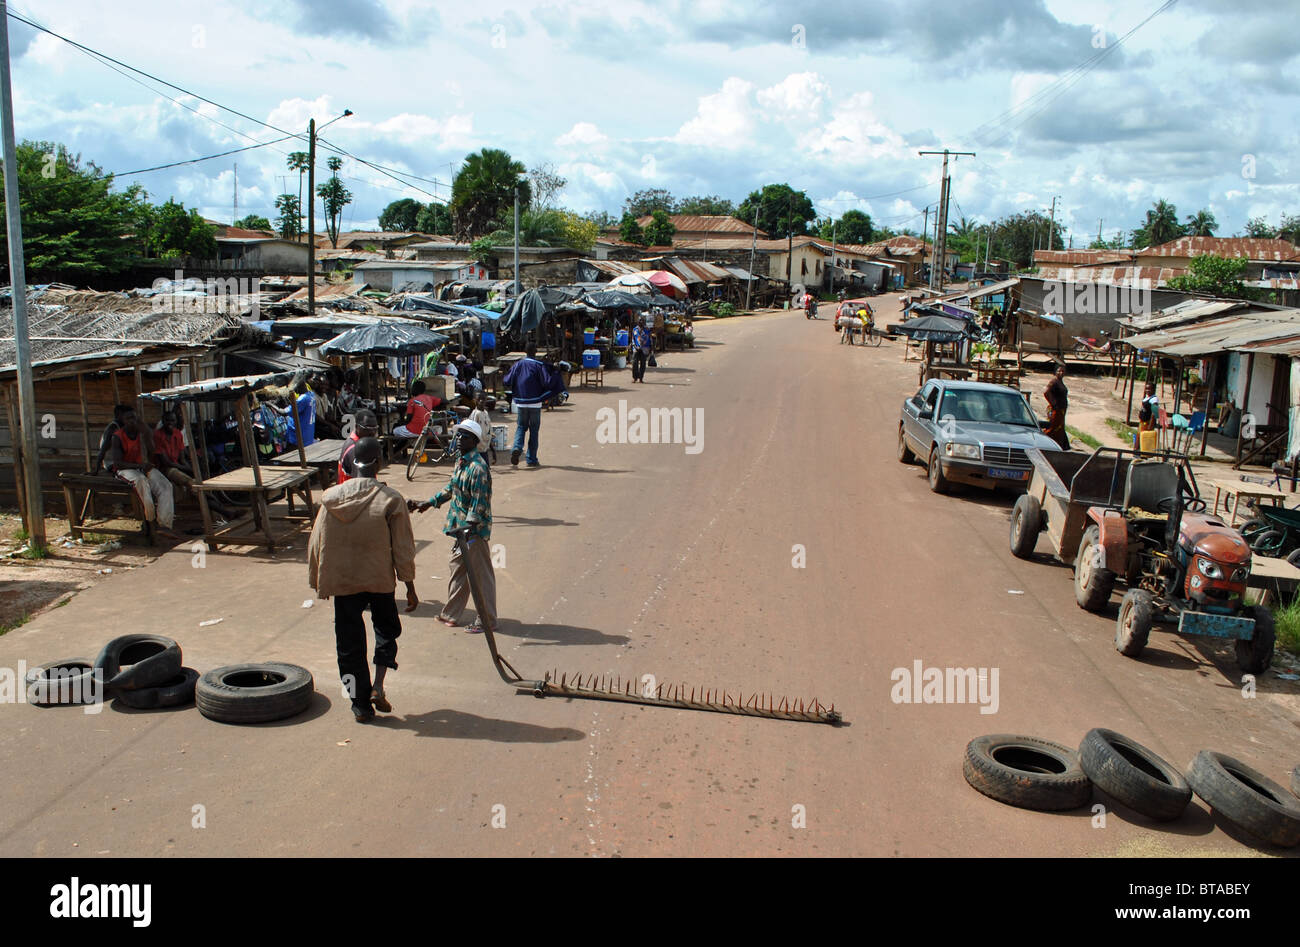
[175, 164]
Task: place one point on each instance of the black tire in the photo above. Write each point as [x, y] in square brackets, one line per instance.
[1026, 523]
[1251, 527]
[905, 455]
[1246, 797]
[61, 683]
[174, 693]
[1137, 615]
[413, 458]
[1093, 584]
[254, 693]
[1266, 543]
[1254, 656]
[1026, 772]
[874, 338]
[1295, 782]
[934, 471]
[130, 662]
[1127, 771]
[1294, 558]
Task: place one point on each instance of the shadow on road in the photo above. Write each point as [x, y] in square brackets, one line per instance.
[546, 466]
[527, 521]
[455, 725]
[556, 634]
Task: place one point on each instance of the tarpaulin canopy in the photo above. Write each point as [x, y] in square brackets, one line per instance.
[932, 329]
[525, 313]
[219, 389]
[386, 338]
[417, 303]
[669, 284]
[615, 299]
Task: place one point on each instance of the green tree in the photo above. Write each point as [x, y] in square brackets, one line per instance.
[482, 249]
[484, 188]
[1260, 229]
[177, 232]
[649, 200]
[1215, 276]
[782, 211]
[603, 219]
[335, 197]
[401, 215]
[1290, 229]
[299, 161]
[1015, 237]
[659, 232]
[546, 184]
[434, 218]
[289, 220]
[75, 226]
[1201, 224]
[853, 227]
[629, 231]
[710, 206]
[253, 222]
[1161, 226]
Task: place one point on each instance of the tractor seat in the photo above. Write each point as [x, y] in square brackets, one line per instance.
[1149, 482]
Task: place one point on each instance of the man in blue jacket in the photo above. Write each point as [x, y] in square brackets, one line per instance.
[532, 382]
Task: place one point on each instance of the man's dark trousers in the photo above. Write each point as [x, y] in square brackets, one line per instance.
[639, 357]
[350, 638]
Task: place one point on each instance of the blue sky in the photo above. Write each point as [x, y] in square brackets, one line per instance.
[1198, 106]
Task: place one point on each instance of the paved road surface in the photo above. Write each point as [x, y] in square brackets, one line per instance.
[646, 559]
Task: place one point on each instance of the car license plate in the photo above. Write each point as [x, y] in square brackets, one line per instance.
[1004, 473]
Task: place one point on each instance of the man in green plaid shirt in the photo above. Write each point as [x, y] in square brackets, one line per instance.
[470, 493]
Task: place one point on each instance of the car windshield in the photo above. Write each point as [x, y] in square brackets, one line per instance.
[989, 407]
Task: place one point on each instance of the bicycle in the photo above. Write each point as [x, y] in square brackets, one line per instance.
[439, 445]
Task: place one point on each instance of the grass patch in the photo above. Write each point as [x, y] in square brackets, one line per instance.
[1286, 620]
[34, 552]
[1122, 430]
[1087, 439]
[6, 627]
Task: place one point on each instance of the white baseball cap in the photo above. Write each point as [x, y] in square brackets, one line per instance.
[472, 427]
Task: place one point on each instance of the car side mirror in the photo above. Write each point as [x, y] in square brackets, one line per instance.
[926, 414]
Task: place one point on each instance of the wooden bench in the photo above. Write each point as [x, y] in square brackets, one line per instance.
[79, 492]
[591, 377]
[998, 376]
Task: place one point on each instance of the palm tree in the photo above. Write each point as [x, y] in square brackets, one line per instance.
[1161, 226]
[335, 197]
[1201, 224]
[298, 161]
[483, 188]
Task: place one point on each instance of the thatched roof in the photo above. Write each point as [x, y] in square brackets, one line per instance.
[82, 326]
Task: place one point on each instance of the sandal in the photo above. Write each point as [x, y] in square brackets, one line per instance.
[381, 702]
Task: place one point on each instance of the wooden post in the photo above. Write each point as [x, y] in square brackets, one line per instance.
[139, 390]
[261, 514]
[1132, 380]
[1245, 402]
[16, 447]
[85, 418]
[198, 474]
[198, 424]
[1209, 394]
[297, 429]
[117, 397]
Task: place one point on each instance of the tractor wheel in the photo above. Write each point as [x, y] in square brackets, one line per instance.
[1254, 656]
[1137, 614]
[1093, 582]
[1026, 522]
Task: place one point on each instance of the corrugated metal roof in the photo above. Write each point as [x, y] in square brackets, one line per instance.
[1252, 248]
[1081, 257]
[1135, 277]
[702, 223]
[1189, 311]
[1228, 333]
[612, 267]
[695, 271]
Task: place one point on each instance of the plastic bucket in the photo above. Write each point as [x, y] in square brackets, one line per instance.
[1148, 441]
[588, 336]
[489, 340]
[620, 338]
[499, 436]
[620, 361]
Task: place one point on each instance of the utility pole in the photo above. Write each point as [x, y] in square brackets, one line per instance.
[24, 441]
[1099, 230]
[1051, 221]
[311, 218]
[753, 246]
[789, 252]
[516, 241]
[942, 239]
[235, 211]
[834, 230]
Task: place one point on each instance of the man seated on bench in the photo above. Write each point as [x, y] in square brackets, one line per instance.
[418, 410]
[127, 460]
[169, 457]
[106, 439]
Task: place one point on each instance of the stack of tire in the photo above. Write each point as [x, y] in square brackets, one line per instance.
[144, 672]
[1032, 773]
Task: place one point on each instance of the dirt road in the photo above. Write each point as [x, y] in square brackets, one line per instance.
[792, 553]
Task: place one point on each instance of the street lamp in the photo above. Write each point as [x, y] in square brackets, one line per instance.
[311, 208]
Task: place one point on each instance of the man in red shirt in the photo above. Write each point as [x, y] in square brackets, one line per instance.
[171, 456]
[128, 460]
[366, 424]
[418, 410]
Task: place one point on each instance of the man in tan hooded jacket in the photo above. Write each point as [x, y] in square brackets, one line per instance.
[361, 544]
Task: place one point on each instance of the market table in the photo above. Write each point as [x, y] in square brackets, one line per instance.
[1240, 489]
[322, 456]
[1277, 577]
[262, 484]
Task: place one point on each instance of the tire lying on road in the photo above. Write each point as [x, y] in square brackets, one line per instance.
[130, 662]
[1246, 797]
[254, 693]
[1127, 771]
[1026, 772]
[70, 681]
[173, 693]
[1026, 523]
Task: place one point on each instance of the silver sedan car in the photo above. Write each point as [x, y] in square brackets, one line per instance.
[970, 432]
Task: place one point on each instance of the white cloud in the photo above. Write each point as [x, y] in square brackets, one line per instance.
[799, 96]
[855, 135]
[583, 135]
[724, 119]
